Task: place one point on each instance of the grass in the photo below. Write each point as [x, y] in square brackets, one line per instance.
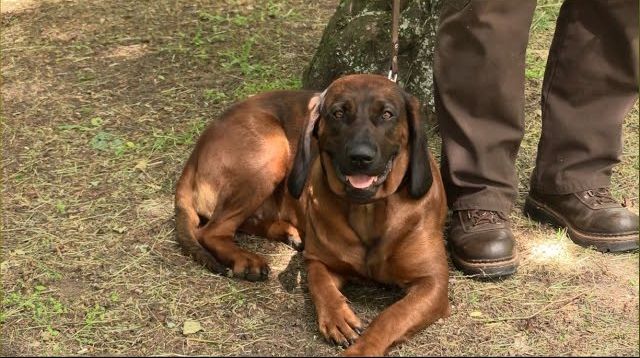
[102, 103]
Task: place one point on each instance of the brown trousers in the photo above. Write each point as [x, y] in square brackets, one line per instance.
[590, 84]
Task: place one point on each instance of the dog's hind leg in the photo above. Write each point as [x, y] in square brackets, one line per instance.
[259, 168]
[217, 236]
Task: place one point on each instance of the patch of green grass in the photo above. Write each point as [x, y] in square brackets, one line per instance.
[258, 77]
[228, 19]
[61, 207]
[240, 20]
[96, 121]
[535, 66]
[473, 297]
[43, 309]
[257, 86]
[214, 28]
[161, 141]
[114, 297]
[214, 95]
[278, 9]
[543, 22]
[626, 173]
[561, 234]
[261, 12]
[102, 140]
[242, 60]
[236, 298]
[94, 315]
[198, 40]
[544, 18]
[206, 16]
[108, 142]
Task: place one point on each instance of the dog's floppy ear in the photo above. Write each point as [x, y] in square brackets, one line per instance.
[419, 173]
[302, 161]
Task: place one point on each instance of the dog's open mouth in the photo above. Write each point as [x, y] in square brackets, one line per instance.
[366, 182]
[361, 181]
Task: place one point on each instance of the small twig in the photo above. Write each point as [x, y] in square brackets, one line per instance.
[219, 297]
[518, 318]
[202, 340]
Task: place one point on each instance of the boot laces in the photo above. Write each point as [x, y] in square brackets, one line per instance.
[601, 196]
[479, 217]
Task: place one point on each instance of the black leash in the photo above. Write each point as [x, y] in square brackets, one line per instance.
[393, 72]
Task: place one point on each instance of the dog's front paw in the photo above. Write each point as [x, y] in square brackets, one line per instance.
[340, 325]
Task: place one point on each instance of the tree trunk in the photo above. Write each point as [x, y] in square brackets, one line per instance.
[358, 40]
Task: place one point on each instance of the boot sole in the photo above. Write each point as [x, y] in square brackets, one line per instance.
[486, 270]
[604, 243]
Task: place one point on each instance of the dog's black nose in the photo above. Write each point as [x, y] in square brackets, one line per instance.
[362, 154]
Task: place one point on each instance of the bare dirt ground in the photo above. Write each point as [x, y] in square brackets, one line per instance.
[101, 104]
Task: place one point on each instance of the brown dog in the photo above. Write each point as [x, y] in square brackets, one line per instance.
[373, 207]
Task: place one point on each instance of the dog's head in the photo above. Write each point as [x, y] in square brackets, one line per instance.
[370, 140]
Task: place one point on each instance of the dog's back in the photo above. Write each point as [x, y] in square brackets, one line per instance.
[288, 108]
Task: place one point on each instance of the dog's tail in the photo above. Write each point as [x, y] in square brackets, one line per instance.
[187, 222]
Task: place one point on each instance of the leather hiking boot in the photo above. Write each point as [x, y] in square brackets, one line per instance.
[592, 218]
[481, 243]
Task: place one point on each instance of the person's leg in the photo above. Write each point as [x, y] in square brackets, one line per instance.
[590, 84]
[479, 75]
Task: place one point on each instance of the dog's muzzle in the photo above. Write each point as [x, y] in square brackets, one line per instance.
[361, 184]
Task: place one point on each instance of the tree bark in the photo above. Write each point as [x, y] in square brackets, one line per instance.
[357, 39]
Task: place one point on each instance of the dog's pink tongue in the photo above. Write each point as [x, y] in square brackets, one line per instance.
[360, 181]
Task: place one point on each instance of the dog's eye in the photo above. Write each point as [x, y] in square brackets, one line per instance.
[387, 115]
[338, 114]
